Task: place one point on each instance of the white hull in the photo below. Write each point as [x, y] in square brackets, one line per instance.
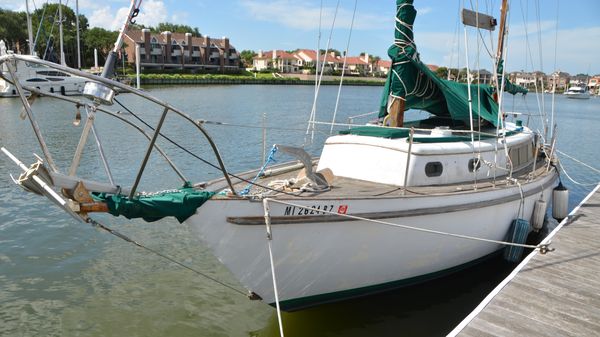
[323, 261]
[44, 78]
[578, 96]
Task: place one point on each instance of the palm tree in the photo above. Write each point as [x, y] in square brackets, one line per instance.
[373, 61]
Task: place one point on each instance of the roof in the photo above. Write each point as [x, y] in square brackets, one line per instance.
[281, 54]
[311, 56]
[384, 64]
[355, 60]
[136, 35]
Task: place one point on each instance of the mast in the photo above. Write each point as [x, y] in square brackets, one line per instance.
[29, 28]
[501, 32]
[77, 25]
[60, 33]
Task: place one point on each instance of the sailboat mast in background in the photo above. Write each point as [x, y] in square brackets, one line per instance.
[29, 29]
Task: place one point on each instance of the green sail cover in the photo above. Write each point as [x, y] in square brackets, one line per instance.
[181, 204]
[422, 89]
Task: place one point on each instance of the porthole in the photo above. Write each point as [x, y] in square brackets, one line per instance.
[434, 169]
[474, 164]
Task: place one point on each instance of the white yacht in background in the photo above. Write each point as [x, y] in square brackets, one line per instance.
[39, 76]
[578, 91]
[36, 75]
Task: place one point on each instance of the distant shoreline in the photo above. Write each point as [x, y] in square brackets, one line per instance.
[187, 79]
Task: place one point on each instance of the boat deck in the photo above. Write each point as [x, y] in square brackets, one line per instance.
[346, 187]
[557, 294]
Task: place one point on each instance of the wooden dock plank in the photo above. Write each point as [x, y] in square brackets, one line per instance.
[556, 294]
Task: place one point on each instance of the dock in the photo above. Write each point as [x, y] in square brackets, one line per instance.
[556, 294]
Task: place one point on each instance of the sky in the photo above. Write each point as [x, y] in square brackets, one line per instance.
[568, 31]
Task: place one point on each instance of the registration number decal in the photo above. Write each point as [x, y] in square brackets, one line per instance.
[313, 210]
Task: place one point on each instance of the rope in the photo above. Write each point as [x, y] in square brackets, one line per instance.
[124, 237]
[265, 203]
[270, 158]
[541, 247]
[578, 161]
[573, 180]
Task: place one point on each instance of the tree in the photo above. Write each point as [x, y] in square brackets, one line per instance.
[176, 28]
[247, 56]
[373, 60]
[442, 72]
[13, 30]
[100, 39]
[47, 44]
[335, 51]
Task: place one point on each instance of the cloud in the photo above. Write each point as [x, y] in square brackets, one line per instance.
[575, 53]
[152, 13]
[424, 10]
[299, 16]
[532, 28]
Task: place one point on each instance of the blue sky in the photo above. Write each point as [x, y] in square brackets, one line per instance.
[291, 24]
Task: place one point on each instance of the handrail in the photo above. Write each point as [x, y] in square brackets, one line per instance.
[125, 88]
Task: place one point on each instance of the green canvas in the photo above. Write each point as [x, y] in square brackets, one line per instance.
[377, 131]
[181, 204]
[423, 89]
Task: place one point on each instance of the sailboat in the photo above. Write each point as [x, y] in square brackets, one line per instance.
[383, 206]
[42, 77]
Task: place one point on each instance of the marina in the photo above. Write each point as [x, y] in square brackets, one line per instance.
[548, 295]
[57, 274]
[219, 209]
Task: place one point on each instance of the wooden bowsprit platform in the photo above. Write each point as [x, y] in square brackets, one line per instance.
[557, 294]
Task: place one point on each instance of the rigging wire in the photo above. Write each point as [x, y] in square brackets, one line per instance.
[540, 54]
[525, 16]
[310, 127]
[554, 91]
[337, 101]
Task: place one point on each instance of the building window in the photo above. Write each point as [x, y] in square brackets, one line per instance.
[434, 169]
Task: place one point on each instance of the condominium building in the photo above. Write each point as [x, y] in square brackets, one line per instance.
[169, 50]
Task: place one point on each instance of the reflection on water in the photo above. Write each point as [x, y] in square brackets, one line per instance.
[61, 278]
[429, 309]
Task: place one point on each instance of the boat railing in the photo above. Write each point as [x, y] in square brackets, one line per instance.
[419, 130]
[93, 106]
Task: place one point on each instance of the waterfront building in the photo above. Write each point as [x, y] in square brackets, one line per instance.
[528, 79]
[558, 80]
[358, 65]
[277, 60]
[594, 84]
[382, 67]
[168, 50]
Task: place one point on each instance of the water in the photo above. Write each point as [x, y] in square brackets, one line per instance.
[61, 278]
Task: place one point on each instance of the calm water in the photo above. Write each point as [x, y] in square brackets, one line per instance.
[61, 278]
